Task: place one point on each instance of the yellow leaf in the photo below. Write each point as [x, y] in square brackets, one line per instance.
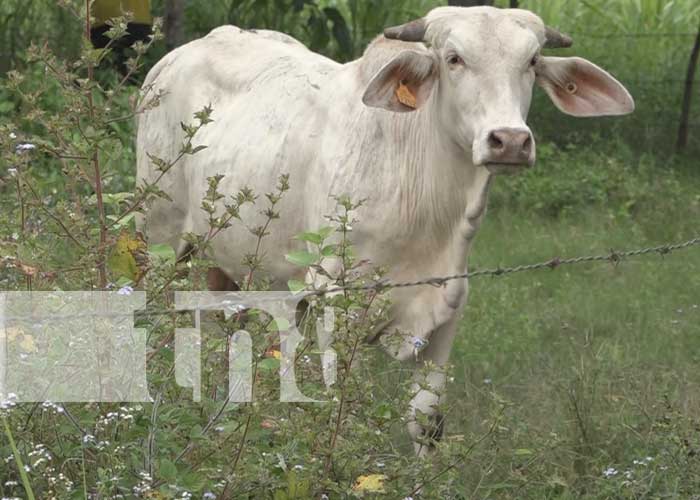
[27, 344]
[12, 333]
[276, 354]
[372, 483]
[123, 261]
[155, 495]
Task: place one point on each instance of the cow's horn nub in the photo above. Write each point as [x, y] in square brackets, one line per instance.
[555, 39]
[413, 31]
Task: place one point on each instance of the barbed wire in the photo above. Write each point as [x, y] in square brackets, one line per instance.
[614, 257]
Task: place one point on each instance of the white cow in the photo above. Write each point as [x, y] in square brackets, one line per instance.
[417, 126]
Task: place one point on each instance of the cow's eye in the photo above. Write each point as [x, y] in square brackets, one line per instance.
[454, 60]
[533, 61]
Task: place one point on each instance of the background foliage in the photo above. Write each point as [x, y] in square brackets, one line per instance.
[645, 43]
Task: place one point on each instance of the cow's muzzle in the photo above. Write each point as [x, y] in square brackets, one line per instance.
[509, 147]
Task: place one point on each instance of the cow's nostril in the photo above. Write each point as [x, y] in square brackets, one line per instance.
[527, 145]
[495, 142]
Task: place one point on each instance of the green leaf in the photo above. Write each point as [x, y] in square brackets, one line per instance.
[326, 231]
[302, 258]
[311, 237]
[278, 325]
[6, 106]
[328, 250]
[196, 432]
[124, 221]
[167, 470]
[269, 364]
[116, 198]
[123, 281]
[295, 285]
[163, 252]
[522, 452]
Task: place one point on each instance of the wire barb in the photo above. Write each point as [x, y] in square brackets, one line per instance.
[614, 257]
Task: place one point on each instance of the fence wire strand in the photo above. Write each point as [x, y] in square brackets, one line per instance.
[613, 257]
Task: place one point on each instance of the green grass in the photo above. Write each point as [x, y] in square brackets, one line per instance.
[596, 364]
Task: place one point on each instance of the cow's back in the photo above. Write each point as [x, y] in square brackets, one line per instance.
[264, 88]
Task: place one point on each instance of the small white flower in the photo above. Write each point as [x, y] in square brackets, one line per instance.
[13, 135]
[11, 401]
[487, 381]
[610, 472]
[208, 496]
[232, 306]
[418, 344]
[12, 172]
[298, 467]
[125, 290]
[24, 147]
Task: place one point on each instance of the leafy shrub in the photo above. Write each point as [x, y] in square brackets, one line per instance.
[67, 222]
[567, 179]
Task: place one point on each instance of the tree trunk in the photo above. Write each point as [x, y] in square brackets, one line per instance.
[514, 4]
[174, 23]
[682, 140]
[469, 3]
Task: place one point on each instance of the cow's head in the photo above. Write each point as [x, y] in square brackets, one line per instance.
[478, 66]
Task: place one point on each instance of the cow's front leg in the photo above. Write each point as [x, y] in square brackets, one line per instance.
[425, 422]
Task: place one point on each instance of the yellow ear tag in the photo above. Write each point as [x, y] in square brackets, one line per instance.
[405, 96]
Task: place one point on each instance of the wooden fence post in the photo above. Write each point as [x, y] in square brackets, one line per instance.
[174, 24]
[682, 140]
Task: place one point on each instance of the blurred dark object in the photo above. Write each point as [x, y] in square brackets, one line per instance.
[139, 29]
[174, 23]
[682, 140]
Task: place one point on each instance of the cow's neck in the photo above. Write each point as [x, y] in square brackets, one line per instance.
[439, 187]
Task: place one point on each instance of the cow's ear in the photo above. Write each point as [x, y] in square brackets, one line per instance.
[580, 88]
[403, 84]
